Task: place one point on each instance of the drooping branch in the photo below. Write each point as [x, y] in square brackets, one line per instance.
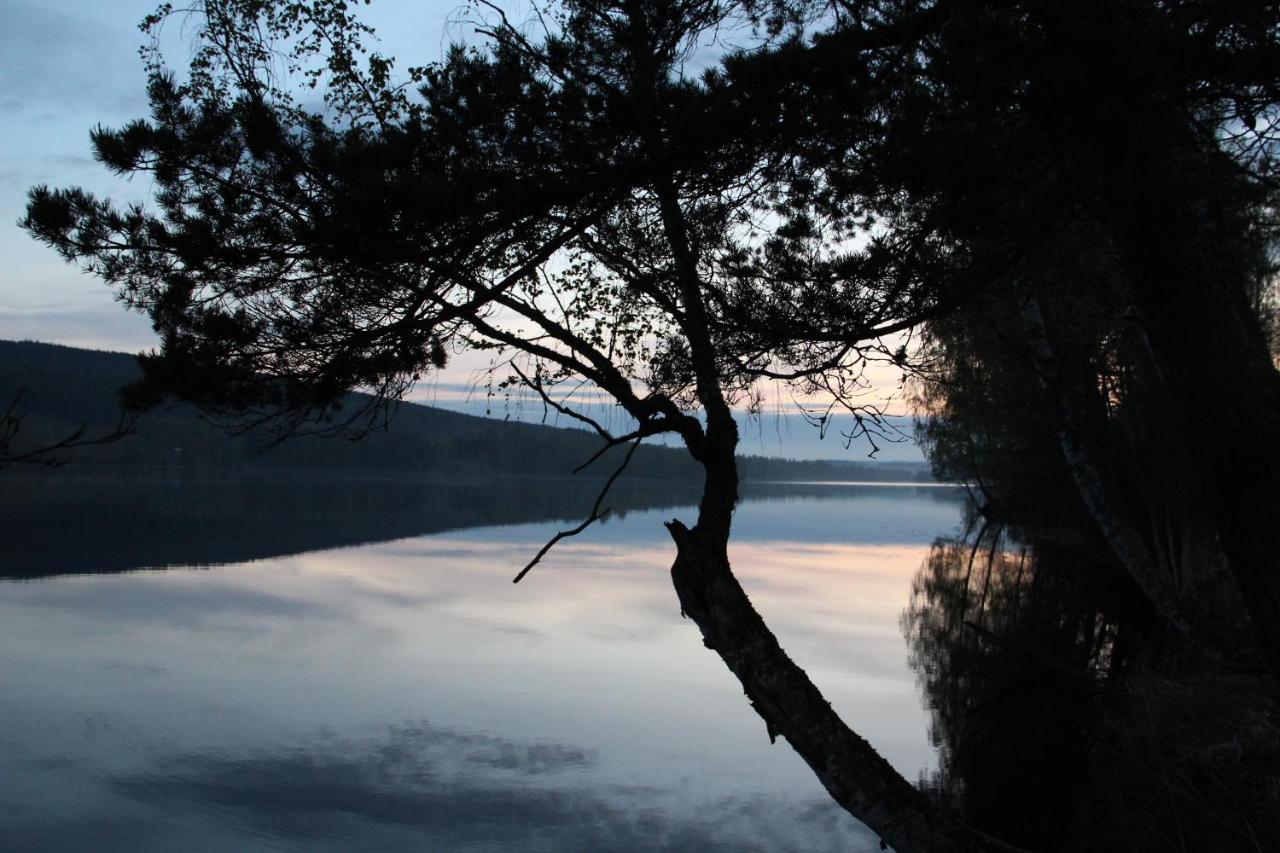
[595, 515]
[536, 385]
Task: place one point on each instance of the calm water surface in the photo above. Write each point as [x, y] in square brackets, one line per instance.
[403, 694]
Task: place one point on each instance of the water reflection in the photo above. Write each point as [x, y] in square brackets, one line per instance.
[415, 784]
[405, 695]
[64, 525]
[1068, 717]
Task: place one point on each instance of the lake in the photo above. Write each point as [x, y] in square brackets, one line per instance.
[260, 665]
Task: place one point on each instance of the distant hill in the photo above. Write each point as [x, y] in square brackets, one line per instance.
[64, 387]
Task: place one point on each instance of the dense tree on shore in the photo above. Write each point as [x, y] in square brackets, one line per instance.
[1060, 437]
[1125, 153]
[1095, 156]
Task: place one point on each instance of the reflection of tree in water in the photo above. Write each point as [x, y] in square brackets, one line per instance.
[1058, 724]
[1008, 649]
[60, 526]
[93, 525]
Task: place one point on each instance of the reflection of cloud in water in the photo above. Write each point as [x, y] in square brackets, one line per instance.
[419, 785]
[590, 650]
[175, 603]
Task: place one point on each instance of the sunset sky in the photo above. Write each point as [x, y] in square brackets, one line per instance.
[69, 66]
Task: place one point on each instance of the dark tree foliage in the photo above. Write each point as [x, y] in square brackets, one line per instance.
[294, 255]
[1125, 154]
[1138, 135]
[1056, 446]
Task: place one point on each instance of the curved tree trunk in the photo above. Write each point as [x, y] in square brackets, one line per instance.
[855, 775]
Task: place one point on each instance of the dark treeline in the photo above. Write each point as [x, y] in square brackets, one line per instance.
[63, 388]
[1064, 385]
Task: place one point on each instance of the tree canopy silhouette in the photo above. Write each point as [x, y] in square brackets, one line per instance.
[573, 201]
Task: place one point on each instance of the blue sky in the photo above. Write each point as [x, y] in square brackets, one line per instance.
[68, 65]
[63, 68]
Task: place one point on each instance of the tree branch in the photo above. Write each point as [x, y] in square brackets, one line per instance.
[595, 515]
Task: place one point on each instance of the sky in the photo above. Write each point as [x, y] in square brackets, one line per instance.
[69, 65]
[66, 66]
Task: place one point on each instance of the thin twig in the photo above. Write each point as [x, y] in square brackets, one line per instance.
[536, 386]
[595, 515]
[609, 445]
[11, 425]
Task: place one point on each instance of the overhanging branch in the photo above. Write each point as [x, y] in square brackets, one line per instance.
[595, 515]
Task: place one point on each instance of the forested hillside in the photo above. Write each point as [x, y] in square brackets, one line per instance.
[63, 388]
